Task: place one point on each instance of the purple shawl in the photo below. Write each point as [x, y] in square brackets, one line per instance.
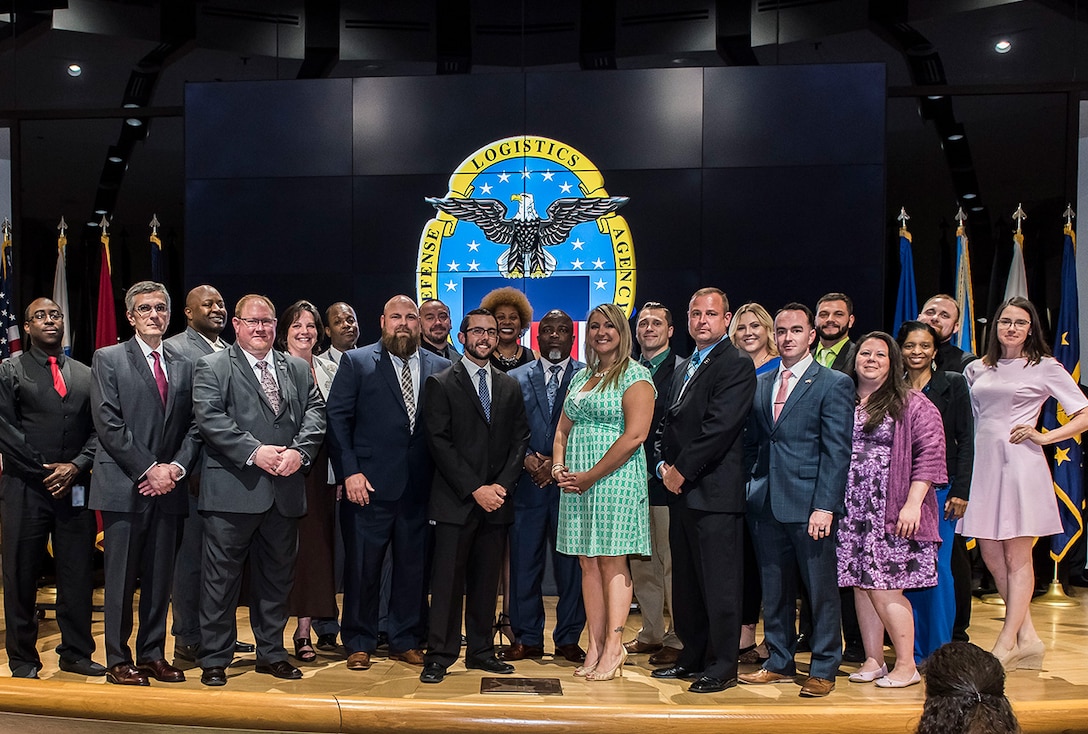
[918, 448]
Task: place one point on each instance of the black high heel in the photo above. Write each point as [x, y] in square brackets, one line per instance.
[304, 650]
[502, 629]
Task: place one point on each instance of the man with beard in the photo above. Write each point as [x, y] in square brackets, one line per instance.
[475, 422]
[435, 319]
[205, 316]
[834, 317]
[48, 442]
[943, 314]
[379, 451]
[543, 384]
[342, 329]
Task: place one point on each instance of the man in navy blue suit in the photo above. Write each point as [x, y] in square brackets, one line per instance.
[379, 451]
[797, 450]
[544, 384]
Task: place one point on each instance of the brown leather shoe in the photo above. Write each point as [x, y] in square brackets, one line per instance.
[161, 671]
[763, 676]
[359, 661]
[665, 656]
[520, 651]
[572, 653]
[125, 674]
[817, 687]
[638, 647]
[412, 657]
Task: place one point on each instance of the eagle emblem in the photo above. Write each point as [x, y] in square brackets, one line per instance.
[527, 233]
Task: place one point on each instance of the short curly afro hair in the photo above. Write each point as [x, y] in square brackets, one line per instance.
[510, 297]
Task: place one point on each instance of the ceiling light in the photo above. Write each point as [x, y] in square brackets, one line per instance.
[1003, 46]
[115, 159]
[74, 69]
[935, 97]
[130, 106]
[99, 211]
[969, 196]
[134, 121]
[92, 224]
[955, 136]
[977, 208]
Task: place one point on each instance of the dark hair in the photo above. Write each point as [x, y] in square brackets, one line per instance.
[473, 312]
[891, 397]
[1035, 347]
[837, 297]
[654, 305]
[909, 326]
[965, 693]
[795, 306]
[288, 317]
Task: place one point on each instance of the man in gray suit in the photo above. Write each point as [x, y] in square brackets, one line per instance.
[797, 449]
[141, 393]
[342, 330]
[262, 420]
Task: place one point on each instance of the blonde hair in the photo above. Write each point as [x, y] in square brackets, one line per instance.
[613, 314]
[763, 317]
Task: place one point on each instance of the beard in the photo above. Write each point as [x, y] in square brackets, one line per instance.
[555, 356]
[400, 344]
[833, 335]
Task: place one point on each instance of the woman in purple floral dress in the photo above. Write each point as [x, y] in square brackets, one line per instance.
[888, 539]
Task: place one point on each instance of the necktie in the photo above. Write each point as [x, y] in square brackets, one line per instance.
[409, 394]
[553, 386]
[783, 391]
[160, 376]
[268, 384]
[825, 357]
[58, 378]
[485, 396]
[692, 366]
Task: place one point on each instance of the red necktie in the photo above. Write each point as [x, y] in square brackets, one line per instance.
[58, 378]
[783, 391]
[160, 377]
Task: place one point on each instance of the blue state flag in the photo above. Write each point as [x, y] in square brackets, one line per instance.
[906, 303]
[1066, 464]
[964, 338]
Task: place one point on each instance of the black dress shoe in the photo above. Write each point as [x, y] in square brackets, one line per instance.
[432, 673]
[853, 653]
[678, 672]
[240, 646]
[214, 677]
[489, 665]
[82, 666]
[707, 684]
[327, 642]
[280, 669]
[803, 643]
[188, 653]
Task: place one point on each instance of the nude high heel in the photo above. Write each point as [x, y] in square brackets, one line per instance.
[616, 672]
[1008, 658]
[1030, 657]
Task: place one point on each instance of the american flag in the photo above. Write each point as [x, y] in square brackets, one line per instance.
[10, 343]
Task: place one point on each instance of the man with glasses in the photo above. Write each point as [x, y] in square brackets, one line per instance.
[143, 414]
[262, 420]
[476, 426]
[48, 442]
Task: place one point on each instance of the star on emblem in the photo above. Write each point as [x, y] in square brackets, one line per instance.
[565, 188]
[454, 265]
[577, 264]
[474, 265]
[451, 286]
[504, 177]
[577, 244]
[473, 246]
[526, 173]
[600, 284]
[486, 188]
[547, 175]
[598, 264]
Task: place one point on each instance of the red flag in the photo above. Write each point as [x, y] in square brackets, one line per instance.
[105, 332]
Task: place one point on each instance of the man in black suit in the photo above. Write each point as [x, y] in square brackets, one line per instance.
[834, 317]
[700, 461]
[652, 577]
[205, 316]
[943, 314]
[476, 426]
[143, 414]
[262, 420]
[48, 443]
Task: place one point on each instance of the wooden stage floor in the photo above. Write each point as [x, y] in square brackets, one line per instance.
[389, 696]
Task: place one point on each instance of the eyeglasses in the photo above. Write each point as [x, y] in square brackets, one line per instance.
[254, 323]
[479, 331]
[42, 315]
[1019, 323]
[144, 309]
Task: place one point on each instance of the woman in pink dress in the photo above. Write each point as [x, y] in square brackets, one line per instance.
[1012, 494]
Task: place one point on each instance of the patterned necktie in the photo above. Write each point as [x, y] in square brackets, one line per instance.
[58, 378]
[268, 384]
[693, 365]
[409, 394]
[783, 391]
[485, 396]
[553, 386]
[160, 377]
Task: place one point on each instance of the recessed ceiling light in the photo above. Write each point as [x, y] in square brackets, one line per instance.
[1003, 46]
[134, 121]
[955, 136]
[977, 208]
[969, 196]
[74, 69]
[92, 224]
[935, 97]
[115, 159]
[99, 211]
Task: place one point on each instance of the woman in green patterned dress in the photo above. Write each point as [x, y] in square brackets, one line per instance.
[600, 465]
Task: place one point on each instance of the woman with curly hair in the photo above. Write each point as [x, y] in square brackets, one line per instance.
[515, 315]
[965, 693]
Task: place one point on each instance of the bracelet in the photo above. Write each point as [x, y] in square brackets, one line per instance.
[560, 467]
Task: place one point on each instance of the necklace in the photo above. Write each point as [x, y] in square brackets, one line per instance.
[509, 362]
[599, 374]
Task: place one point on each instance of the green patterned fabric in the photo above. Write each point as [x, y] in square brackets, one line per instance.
[611, 518]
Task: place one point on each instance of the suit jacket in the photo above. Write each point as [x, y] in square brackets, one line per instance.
[949, 392]
[191, 344]
[235, 418]
[468, 451]
[844, 360]
[368, 424]
[700, 433]
[662, 383]
[800, 463]
[951, 358]
[135, 430]
[37, 426]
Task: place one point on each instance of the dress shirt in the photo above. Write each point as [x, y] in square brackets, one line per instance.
[147, 350]
[548, 377]
[473, 370]
[267, 359]
[833, 350]
[795, 374]
[413, 368]
[656, 361]
[217, 346]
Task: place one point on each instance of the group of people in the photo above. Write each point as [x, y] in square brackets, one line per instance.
[779, 452]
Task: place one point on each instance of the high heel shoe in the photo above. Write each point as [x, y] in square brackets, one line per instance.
[869, 676]
[502, 629]
[1009, 659]
[609, 674]
[583, 670]
[304, 650]
[1030, 657]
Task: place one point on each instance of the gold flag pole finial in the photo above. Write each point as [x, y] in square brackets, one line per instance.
[1019, 216]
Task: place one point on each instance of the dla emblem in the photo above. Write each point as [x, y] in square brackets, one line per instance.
[533, 213]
